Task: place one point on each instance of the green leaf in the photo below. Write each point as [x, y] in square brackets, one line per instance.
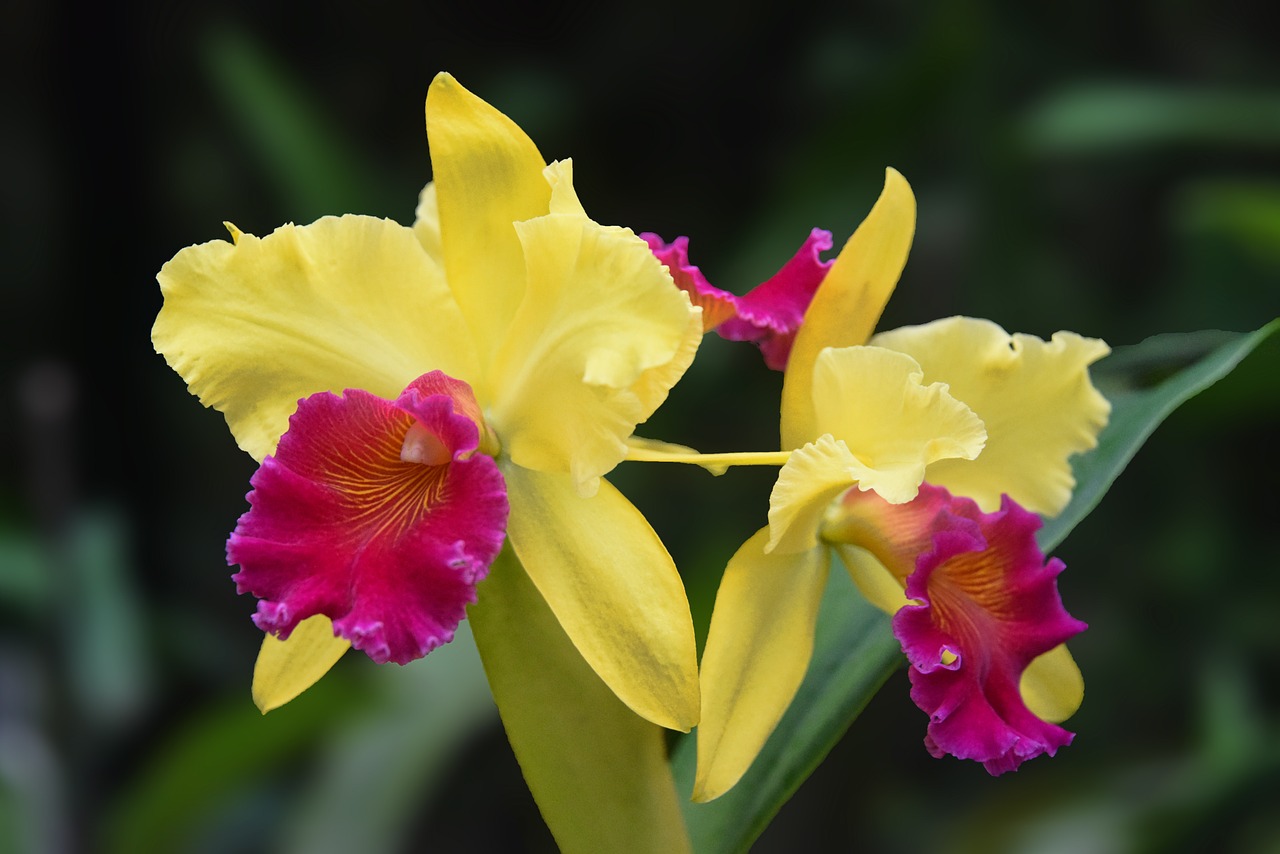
[224, 754]
[313, 164]
[1145, 383]
[597, 771]
[854, 653]
[1113, 117]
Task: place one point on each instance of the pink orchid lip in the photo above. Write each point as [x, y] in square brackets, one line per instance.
[984, 604]
[769, 314]
[377, 514]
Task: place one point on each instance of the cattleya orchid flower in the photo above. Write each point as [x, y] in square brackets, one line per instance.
[415, 395]
[986, 422]
[770, 314]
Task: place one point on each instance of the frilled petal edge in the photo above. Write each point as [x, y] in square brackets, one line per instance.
[597, 343]
[254, 325]
[377, 514]
[1034, 396]
[988, 605]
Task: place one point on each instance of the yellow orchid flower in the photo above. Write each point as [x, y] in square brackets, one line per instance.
[868, 419]
[402, 385]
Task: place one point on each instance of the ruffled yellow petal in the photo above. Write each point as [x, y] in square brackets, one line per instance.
[847, 306]
[808, 483]
[614, 589]
[287, 668]
[426, 223]
[758, 649]
[488, 176]
[349, 302]
[564, 199]
[597, 343]
[1052, 686]
[875, 400]
[1034, 396]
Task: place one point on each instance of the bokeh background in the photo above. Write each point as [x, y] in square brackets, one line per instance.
[1112, 169]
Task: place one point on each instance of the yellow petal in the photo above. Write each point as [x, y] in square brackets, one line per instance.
[488, 176]
[1052, 686]
[880, 586]
[598, 772]
[426, 223]
[287, 668]
[350, 302]
[1034, 396]
[597, 343]
[758, 649]
[810, 480]
[614, 589]
[564, 199]
[893, 424]
[847, 306]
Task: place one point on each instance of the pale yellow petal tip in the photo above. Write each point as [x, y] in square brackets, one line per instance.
[1052, 685]
[236, 233]
[287, 668]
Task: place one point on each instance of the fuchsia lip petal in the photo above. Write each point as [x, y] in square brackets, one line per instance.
[340, 525]
[771, 313]
[717, 305]
[990, 600]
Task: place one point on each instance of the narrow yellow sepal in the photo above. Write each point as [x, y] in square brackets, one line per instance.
[287, 668]
[1052, 686]
[488, 176]
[613, 587]
[758, 649]
[847, 306]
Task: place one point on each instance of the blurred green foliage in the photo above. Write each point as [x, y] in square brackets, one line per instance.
[1112, 170]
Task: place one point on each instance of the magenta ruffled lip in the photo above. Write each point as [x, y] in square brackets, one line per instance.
[341, 525]
[770, 314]
[989, 605]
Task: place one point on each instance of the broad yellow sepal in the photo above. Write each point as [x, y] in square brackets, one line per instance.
[614, 588]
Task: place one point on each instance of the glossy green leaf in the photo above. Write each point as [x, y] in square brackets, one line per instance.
[854, 653]
[1145, 383]
[597, 771]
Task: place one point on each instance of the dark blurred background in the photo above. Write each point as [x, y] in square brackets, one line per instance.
[1113, 169]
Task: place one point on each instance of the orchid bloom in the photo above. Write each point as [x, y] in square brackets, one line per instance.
[415, 395]
[770, 313]
[989, 420]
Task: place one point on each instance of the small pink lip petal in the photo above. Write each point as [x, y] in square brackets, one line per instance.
[770, 314]
[341, 524]
[717, 305]
[991, 600]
